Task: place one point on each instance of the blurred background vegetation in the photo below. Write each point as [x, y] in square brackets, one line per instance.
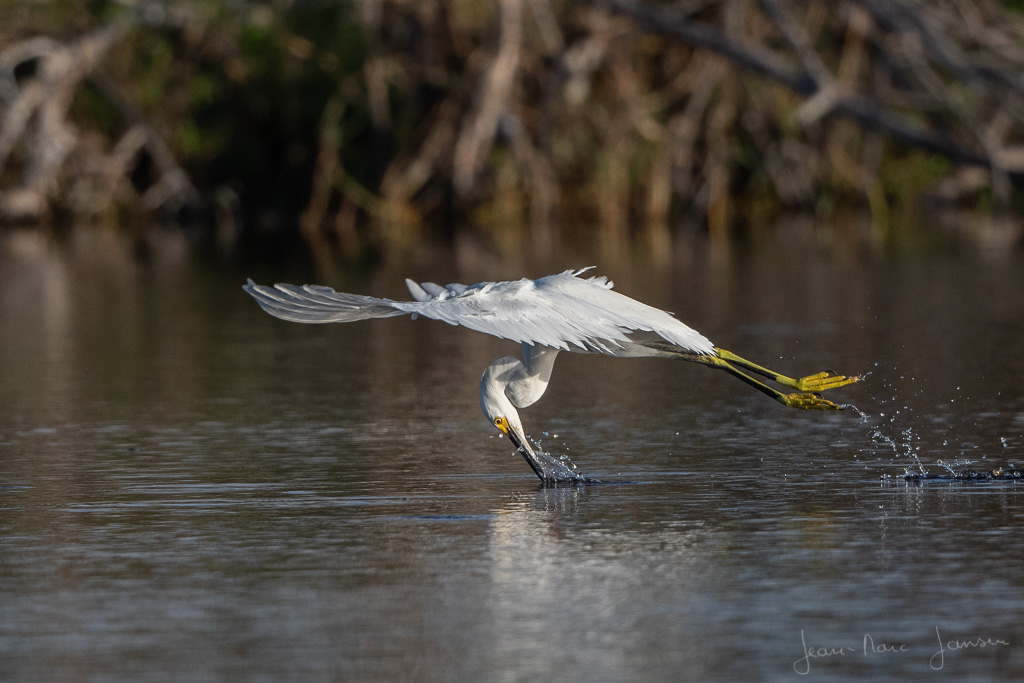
[348, 129]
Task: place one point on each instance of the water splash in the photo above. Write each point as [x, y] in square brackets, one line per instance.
[948, 429]
[559, 467]
[904, 443]
[860, 413]
[554, 468]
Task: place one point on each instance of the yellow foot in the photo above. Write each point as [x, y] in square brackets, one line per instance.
[808, 401]
[822, 381]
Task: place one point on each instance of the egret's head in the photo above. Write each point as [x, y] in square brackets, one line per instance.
[496, 404]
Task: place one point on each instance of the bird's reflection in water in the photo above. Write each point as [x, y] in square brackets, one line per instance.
[561, 577]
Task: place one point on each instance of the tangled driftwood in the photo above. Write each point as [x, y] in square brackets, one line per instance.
[631, 112]
[921, 53]
[38, 79]
[819, 94]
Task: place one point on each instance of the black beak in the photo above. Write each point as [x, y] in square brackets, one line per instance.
[527, 452]
[513, 436]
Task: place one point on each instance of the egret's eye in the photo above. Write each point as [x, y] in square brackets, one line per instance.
[498, 421]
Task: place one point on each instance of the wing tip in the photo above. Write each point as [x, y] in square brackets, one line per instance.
[415, 290]
[599, 280]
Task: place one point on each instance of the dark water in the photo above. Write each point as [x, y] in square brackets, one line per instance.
[191, 490]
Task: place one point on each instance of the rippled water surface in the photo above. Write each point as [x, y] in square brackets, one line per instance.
[191, 490]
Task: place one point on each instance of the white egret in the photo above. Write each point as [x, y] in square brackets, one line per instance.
[562, 312]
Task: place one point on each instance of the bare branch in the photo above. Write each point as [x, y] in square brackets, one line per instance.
[37, 116]
[858, 107]
[478, 136]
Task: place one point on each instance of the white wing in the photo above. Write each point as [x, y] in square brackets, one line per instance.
[317, 304]
[562, 311]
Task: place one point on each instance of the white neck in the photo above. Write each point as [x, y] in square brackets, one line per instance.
[528, 381]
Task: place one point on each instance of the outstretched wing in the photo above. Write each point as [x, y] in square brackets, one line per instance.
[318, 304]
[562, 311]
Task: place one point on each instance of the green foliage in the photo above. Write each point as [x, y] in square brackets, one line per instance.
[242, 100]
[92, 106]
[906, 175]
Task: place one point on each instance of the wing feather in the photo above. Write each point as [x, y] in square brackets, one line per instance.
[563, 311]
[317, 304]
